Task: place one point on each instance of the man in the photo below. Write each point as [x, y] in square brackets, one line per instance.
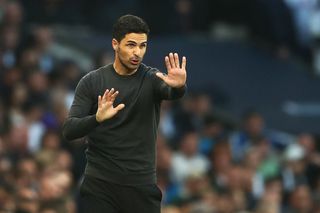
[117, 107]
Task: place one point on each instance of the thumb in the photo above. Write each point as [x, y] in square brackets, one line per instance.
[120, 107]
[161, 75]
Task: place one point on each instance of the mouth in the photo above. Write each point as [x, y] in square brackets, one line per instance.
[134, 61]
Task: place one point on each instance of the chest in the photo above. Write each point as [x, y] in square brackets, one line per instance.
[134, 92]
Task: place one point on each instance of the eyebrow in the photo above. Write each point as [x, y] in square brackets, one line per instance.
[131, 41]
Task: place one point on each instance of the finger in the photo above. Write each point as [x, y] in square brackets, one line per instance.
[104, 97]
[99, 101]
[161, 75]
[176, 60]
[171, 59]
[184, 62]
[119, 107]
[167, 62]
[110, 94]
[114, 95]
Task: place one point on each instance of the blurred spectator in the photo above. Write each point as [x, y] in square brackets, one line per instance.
[167, 126]
[27, 200]
[294, 167]
[17, 142]
[221, 162]
[9, 41]
[4, 118]
[50, 147]
[170, 209]
[26, 173]
[54, 194]
[300, 200]
[28, 60]
[42, 41]
[13, 15]
[212, 130]
[64, 161]
[312, 156]
[225, 202]
[253, 128]
[190, 115]
[272, 198]
[252, 161]
[199, 192]
[102, 58]
[68, 73]
[9, 78]
[187, 160]
[182, 119]
[7, 201]
[34, 125]
[17, 102]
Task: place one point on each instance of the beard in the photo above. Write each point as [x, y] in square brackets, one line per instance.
[126, 64]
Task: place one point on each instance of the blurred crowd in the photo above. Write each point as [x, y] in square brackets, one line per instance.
[285, 27]
[37, 169]
[206, 165]
[206, 162]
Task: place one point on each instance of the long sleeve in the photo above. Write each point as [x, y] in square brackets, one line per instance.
[166, 92]
[169, 93]
[79, 121]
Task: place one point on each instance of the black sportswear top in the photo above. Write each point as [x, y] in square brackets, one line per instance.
[121, 149]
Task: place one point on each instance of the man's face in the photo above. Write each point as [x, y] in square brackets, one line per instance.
[130, 50]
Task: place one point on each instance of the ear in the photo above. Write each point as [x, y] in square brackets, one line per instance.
[115, 44]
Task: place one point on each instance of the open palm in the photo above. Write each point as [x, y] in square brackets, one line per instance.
[177, 75]
[105, 105]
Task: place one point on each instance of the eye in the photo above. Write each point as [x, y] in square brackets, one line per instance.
[131, 45]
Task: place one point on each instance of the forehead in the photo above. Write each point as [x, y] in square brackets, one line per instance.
[136, 37]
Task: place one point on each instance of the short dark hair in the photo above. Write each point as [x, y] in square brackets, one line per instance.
[129, 24]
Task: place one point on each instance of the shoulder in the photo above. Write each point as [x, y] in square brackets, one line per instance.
[96, 74]
[150, 71]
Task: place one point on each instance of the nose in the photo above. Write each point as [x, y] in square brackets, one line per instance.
[137, 51]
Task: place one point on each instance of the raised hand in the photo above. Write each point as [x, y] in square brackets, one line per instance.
[177, 75]
[105, 105]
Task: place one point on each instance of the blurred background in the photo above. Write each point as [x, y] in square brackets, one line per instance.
[244, 139]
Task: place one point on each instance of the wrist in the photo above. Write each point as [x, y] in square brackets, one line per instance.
[98, 119]
[179, 86]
